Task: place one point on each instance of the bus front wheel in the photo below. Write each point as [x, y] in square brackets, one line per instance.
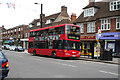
[53, 54]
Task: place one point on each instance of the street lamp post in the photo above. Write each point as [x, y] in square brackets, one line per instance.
[40, 14]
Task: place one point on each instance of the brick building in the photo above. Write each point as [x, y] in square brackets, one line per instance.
[14, 35]
[104, 15]
[1, 36]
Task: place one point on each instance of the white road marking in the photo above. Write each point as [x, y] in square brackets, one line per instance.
[112, 65]
[109, 72]
[64, 64]
[37, 59]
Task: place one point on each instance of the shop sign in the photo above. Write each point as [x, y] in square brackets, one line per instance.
[115, 35]
[88, 37]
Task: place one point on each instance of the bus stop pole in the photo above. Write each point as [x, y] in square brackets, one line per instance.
[97, 47]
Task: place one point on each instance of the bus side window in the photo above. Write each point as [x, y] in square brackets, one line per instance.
[30, 34]
[58, 44]
[39, 34]
[30, 44]
[55, 44]
[60, 30]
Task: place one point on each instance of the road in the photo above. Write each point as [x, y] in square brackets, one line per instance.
[23, 65]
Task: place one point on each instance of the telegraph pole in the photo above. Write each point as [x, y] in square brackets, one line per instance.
[40, 14]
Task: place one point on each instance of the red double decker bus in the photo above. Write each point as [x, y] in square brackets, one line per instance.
[56, 41]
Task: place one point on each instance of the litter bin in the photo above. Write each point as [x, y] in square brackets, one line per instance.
[107, 55]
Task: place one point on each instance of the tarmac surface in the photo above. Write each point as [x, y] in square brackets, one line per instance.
[114, 60]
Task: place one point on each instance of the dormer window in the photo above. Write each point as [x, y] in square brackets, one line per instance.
[48, 21]
[38, 23]
[89, 12]
[114, 5]
[30, 25]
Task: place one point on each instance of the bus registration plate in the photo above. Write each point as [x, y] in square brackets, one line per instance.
[73, 55]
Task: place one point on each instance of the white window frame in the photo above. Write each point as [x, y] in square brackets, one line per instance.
[48, 21]
[115, 5]
[81, 27]
[90, 27]
[30, 25]
[19, 29]
[38, 23]
[105, 24]
[118, 23]
[25, 34]
[15, 30]
[18, 35]
[89, 12]
[21, 36]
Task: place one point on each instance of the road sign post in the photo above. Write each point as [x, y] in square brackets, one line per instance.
[98, 34]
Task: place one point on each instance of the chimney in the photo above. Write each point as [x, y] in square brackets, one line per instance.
[2, 26]
[91, 1]
[73, 17]
[63, 9]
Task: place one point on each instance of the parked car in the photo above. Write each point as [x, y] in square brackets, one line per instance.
[19, 48]
[2, 46]
[12, 48]
[7, 47]
[4, 65]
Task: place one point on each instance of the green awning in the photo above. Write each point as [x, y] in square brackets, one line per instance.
[7, 42]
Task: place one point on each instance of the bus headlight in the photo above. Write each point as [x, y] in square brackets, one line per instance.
[79, 53]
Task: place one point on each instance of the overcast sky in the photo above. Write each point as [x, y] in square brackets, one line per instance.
[26, 11]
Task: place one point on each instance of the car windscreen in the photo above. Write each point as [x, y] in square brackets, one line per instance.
[19, 47]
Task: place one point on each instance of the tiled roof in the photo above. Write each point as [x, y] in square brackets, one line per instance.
[103, 12]
[54, 16]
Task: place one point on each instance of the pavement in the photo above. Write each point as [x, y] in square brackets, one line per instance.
[114, 60]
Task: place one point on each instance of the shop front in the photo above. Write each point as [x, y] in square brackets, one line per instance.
[9, 42]
[24, 43]
[112, 41]
[87, 45]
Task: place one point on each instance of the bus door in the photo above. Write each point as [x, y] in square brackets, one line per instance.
[58, 45]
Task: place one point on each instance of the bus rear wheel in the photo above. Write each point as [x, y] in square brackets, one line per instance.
[34, 53]
[53, 54]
